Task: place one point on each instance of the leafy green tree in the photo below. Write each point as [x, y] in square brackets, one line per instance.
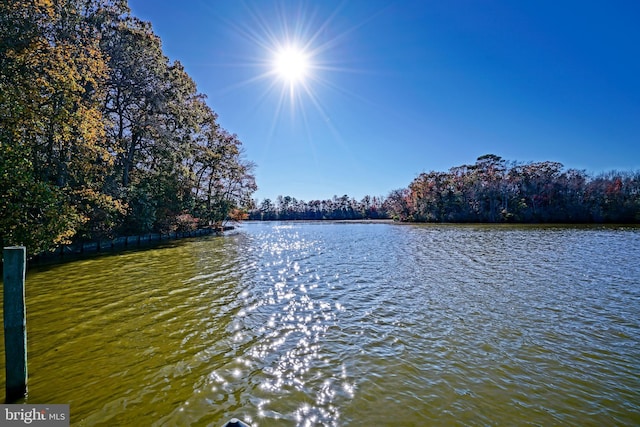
[51, 73]
[33, 212]
[171, 156]
[100, 134]
[224, 180]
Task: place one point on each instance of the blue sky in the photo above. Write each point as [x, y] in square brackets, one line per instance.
[396, 88]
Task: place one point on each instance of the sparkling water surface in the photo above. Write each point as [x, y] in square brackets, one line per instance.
[313, 324]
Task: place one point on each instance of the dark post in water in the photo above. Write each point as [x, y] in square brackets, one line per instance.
[15, 322]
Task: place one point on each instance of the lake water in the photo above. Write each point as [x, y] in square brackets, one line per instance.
[305, 324]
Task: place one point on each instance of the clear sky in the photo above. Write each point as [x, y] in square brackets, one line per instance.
[395, 88]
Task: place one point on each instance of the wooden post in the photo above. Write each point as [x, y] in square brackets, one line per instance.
[15, 322]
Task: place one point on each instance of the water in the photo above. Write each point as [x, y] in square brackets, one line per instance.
[304, 324]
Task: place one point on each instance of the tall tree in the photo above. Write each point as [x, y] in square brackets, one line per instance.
[134, 98]
[100, 134]
[51, 73]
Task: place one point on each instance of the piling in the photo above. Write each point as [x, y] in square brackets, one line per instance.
[15, 322]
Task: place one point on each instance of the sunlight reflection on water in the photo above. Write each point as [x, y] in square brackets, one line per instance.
[347, 324]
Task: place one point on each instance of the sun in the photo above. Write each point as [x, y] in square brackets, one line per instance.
[296, 52]
[291, 64]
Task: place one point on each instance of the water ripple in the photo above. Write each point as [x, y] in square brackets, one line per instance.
[347, 324]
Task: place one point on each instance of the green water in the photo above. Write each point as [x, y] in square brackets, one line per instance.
[346, 324]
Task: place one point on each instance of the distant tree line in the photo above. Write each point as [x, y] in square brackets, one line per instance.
[491, 190]
[337, 208]
[101, 134]
[494, 190]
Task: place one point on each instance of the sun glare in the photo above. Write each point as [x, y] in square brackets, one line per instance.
[291, 64]
[296, 57]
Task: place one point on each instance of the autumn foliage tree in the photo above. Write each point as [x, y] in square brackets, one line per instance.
[100, 132]
[494, 190]
[54, 154]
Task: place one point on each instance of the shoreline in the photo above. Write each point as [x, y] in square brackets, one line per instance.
[80, 250]
[393, 221]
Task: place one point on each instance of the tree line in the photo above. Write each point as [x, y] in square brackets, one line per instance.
[491, 190]
[495, 190]
[101, 134]
[337, 208]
